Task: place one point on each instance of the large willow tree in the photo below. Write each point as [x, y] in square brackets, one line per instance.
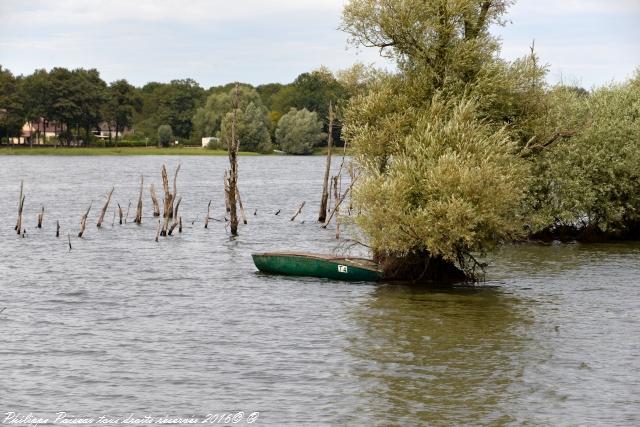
[439, 142]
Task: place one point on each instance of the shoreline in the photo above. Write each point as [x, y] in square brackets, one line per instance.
[129, 151]
[113, 151]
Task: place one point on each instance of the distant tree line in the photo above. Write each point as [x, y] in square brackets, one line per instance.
[79, 102]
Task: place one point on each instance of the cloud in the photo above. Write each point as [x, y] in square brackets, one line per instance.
[102, 12]
[554, 8]
[259, 41]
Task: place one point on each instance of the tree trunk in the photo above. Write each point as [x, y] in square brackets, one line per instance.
[138, 219]
[325, 186]
[233, 174]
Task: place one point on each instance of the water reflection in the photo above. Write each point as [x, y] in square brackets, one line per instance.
[439, 357]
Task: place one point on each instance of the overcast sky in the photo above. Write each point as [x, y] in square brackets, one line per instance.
[586, 42]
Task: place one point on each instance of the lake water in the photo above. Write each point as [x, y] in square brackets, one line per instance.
[186, 327]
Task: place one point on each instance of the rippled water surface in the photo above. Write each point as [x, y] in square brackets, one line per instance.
[186, 327]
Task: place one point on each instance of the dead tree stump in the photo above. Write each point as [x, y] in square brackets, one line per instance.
[104, 208]
[83, 221]
[40, 217]
[233, 145]
[138, 219]
[120, 213]
[18, 226]
[206, 218]
[154, 200]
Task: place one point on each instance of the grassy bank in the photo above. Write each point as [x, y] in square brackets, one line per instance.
[112, 151]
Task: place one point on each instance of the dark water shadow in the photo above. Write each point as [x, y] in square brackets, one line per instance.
[447, 356]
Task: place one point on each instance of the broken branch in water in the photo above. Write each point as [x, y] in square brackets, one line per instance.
[339, 202]
[298, 211]
[104, 208]
[83, 221]
[206, 218]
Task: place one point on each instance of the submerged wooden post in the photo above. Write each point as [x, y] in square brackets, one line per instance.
[158, 231]
[206, 218]
[232, 146]
[168, 197]
[83, 220]
[175, 190]
[298, 211]
[41, 217]
[325, 185]
[18, 226]
[104, 208]
[126, 217]
[175, 217]
[20, 209]
[57, 228]
[154, 200]
[120, 213]
[138, 219]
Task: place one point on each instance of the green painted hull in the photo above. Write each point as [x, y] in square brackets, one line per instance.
[324, 266]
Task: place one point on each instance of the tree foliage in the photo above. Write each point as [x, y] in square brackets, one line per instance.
[165, 135]
[460, 150]
[251, 128]
[11, 107]
[436, 142]
[122, 102]
[299, 131]
[172, 103]
[587, 179]
[207, 120]
[455, 187]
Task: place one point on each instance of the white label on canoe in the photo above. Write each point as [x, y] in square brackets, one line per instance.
[342, 269]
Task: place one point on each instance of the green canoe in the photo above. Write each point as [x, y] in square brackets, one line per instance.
[325, 266]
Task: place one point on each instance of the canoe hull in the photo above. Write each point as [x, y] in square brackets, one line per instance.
[347, 269]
